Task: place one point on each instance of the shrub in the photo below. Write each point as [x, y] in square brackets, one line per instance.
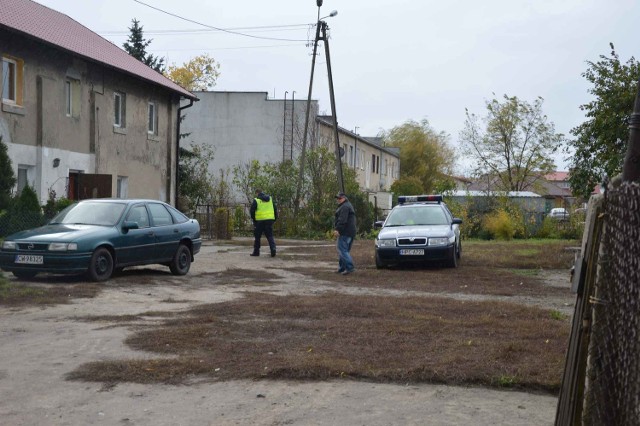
[500, 225]
[223, 223]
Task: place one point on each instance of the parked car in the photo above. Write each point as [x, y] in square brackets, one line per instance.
[100, 236]
[559, 213]
[419, 229]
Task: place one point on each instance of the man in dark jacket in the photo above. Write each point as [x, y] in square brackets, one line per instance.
[263, 213]
[345, 230]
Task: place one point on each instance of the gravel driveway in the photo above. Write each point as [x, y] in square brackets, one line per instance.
[40, 345]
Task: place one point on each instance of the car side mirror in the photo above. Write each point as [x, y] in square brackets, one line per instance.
[378, 224]
[456, 221]
[129, 225]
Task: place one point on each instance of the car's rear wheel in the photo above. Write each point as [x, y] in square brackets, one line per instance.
[24, 275]
[101, 266]
[181, 261]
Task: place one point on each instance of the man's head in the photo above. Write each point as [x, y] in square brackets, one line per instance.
[341, 197]
[258, 191]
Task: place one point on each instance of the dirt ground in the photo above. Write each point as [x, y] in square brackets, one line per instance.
[42, 344]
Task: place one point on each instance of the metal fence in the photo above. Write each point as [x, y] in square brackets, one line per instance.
[601, 384]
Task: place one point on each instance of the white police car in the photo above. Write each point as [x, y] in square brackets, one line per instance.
[420, 228]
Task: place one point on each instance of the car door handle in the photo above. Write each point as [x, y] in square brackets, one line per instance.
[150, 233]
[175, 231]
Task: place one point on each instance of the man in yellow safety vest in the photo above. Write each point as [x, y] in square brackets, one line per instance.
[263, 213]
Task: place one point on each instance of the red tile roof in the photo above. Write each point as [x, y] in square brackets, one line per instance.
[557, 176]
[59, 30]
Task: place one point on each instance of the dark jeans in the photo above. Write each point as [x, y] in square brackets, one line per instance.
[343, 246]
[263, 227]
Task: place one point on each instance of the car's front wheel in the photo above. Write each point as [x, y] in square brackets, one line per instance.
[453, 260]
[181, 261]
[24, 275]
[379, 263]
[101, 266]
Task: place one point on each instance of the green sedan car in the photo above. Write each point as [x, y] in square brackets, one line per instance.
[100, 236]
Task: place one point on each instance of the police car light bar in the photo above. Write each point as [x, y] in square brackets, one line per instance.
[402, 199]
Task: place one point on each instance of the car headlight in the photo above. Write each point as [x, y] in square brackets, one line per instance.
[8, 245]
[386, 243]
[63, 246]
[438, 241]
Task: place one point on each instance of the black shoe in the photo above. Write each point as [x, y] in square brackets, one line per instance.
[254, 254]
[347, 272]
[273, 253]
[339, 271]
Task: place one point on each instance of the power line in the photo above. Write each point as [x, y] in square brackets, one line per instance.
[289, 27]
[212, 27]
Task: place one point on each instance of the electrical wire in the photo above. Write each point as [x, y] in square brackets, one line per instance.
[290, 27]
[212, 27]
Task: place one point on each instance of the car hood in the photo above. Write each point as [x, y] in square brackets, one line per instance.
[391, 232]
[58, 232]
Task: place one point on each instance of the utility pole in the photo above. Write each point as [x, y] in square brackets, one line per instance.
[320, 26]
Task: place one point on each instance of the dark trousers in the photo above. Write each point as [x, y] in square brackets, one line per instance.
[263, 227]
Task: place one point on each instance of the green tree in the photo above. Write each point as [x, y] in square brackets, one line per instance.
[7, 177]
[515, 145]
[424, 153]
[136, 46]
[194, 178]
[200, 73]
[601, 141]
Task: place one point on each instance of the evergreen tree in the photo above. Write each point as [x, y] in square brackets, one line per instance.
[7, 178]
[136, 46]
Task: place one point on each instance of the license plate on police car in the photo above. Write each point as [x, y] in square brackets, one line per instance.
[29, 259]
[412, 252]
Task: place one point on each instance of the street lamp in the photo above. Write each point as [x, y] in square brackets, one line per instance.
[321, 26]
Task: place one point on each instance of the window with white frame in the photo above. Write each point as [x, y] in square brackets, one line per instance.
[11, 80]
[72, 97]
[119, 109]
[152, 119]
[122, 187]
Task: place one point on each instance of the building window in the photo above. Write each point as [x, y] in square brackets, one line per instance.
[373, 163]
[119, 109]
[122, 187]
[152, 119]
[72, 97]
[23, 177]
[12, 80]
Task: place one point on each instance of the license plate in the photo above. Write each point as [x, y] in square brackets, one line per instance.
[29, 259]
[412, 252]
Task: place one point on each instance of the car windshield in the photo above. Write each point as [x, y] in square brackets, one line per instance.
[422, 215]
[88, 213]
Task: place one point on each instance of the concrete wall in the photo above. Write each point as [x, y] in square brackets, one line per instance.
[39, 130]
[244, 126]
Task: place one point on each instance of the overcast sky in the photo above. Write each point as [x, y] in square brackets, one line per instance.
[392, 60]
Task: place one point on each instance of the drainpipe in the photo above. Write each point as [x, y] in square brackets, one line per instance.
[191, 102]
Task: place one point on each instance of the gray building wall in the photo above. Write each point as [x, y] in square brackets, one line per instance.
[246, 126]
[39, 130]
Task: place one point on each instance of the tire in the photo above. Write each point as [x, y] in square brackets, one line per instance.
[24, 275]
[453, 261]
[379, 263]
[181, 261]
[101, 266]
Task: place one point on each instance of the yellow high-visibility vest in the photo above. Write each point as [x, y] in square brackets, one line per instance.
[264, 210]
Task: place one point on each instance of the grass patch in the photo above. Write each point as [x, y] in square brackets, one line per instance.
[19, 293]
[373, 338]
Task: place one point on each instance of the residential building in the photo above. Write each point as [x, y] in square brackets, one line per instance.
[376, 166]
[79, 115]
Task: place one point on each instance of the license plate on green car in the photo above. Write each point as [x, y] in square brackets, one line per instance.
[412, 252]
[29, 259]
